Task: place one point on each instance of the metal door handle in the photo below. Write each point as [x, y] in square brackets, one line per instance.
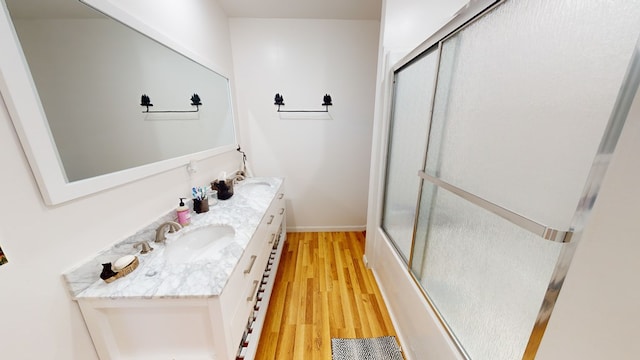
[253, 291]
[253, 261]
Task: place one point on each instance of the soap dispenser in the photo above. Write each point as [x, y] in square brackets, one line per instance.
[184, 215]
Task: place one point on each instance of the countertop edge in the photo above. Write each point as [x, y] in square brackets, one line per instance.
[83, 283]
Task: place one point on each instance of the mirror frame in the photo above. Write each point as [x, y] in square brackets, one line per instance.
[29, 119]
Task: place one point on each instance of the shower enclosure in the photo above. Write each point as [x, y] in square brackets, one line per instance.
[499, 136]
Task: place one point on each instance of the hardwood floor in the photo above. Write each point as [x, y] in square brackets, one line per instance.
[322, 291]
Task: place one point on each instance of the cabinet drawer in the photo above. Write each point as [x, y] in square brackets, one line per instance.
[253, 282]
[247, 301]
[275, 213]
[235, 288]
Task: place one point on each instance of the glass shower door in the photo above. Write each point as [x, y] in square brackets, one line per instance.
[485, 275]
[523, 99]
[409, 130]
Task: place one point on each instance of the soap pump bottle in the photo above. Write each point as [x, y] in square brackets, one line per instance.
[184, 215]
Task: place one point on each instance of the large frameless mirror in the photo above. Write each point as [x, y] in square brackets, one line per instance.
[73, 80]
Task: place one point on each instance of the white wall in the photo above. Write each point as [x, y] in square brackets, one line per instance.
[409, 22]
[325, 160]
[199, 25]
[39, 320]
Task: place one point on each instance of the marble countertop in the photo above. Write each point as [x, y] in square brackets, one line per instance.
[155, 277]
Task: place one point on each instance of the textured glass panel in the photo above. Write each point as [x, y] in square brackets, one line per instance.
[407, 148]
[486, 276]
[523, 97]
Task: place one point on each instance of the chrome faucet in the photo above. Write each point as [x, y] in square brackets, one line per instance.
[173, 227]
[145, 248]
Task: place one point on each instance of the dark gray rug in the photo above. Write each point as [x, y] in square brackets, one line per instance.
[380, 348]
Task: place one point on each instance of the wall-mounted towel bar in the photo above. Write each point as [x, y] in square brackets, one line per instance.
[326, 102]
[145, 100]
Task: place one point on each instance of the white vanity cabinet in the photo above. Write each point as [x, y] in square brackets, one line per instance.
[247, 280]
[222, 327]
[257, 307]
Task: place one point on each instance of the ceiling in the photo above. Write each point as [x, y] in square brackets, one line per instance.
[304, 9]
[297, 9]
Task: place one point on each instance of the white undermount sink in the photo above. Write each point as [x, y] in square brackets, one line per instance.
[252, 187]
[192, 244]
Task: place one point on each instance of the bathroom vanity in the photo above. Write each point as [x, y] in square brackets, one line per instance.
[205, 301]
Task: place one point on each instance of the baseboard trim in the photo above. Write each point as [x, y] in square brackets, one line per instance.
[326, 228]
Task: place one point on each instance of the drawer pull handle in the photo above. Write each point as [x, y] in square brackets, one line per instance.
[253, 291]
[281, 211]
[273, 238]
[253, 261]
[280, 196]
[270, 219]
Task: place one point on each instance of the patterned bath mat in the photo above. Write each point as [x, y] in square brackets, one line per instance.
[380, 348]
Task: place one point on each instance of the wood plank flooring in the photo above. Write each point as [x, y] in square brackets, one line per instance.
[322, 291]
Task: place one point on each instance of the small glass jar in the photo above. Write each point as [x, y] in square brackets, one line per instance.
[213, 197]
